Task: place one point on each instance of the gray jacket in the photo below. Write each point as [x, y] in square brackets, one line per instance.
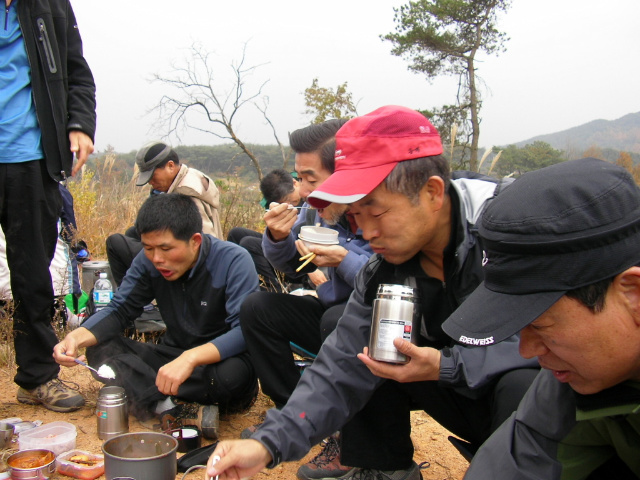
[338, 385]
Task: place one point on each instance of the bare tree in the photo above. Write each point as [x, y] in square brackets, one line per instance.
[285, 152]
[199, 102]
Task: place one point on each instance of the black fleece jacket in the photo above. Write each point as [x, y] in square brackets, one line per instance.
[63, 88]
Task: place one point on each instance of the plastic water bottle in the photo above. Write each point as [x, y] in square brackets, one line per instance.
[102, 292]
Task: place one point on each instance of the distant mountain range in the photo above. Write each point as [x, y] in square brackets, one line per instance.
[622, 135]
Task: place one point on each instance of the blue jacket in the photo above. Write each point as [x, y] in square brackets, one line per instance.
[202, 306]
[284, 256]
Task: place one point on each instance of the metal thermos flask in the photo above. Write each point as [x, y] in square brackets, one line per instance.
[112, 412]
[396, 313]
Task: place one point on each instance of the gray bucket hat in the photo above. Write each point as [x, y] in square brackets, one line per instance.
[553, 230]
[150, 156]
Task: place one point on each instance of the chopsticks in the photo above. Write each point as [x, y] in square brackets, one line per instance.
[293, 208]
[307, 258]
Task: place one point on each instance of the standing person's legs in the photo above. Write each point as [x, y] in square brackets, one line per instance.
[30, 209]
[269, 322]
[30, 206]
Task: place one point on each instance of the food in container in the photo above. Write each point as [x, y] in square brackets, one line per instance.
[55, 436]
[80, 464]
[32, 464]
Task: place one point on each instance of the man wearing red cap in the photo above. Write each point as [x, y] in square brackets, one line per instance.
[420, 224]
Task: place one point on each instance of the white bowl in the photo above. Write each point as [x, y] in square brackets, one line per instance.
[312, 235]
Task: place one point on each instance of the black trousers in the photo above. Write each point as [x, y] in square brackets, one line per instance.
[269, 322]
[30, 206]
[230, 383]
[379, 436]
[121, 250]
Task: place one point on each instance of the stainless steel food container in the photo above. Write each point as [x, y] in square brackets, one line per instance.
[396, 313]
[112, 412]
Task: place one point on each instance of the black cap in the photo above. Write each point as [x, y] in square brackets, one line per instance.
[553, 230]
[151, 156]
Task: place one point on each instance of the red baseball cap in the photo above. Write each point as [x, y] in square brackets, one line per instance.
[369, 147]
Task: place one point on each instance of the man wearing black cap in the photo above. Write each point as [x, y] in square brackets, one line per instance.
[160, 167]
[420, 224]
[562, 249]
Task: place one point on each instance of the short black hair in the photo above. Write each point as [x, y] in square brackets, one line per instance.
[174, 212]
[320, 138]
[592, 296]
[409, 176]
[276, 185]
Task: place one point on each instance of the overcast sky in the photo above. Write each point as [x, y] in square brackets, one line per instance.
[567, 62]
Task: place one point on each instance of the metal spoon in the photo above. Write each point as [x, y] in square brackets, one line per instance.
[80, 362]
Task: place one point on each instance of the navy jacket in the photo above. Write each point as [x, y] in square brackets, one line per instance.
[202, 306]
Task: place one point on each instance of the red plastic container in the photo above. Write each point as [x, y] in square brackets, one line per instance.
[86, 467]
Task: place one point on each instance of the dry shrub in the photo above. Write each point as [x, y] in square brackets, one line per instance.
[239, 205]
[104, 204]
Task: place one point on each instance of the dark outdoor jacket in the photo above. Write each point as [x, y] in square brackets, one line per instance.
[338, 384]
[62, 83]
[558, 434]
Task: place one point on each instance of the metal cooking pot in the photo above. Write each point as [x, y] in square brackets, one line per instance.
[36, 464]
[140, 456]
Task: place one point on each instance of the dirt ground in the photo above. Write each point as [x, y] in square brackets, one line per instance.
[443, 462]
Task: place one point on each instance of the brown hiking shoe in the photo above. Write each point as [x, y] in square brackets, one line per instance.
[326, 464]
[205, 417]
[54, 395]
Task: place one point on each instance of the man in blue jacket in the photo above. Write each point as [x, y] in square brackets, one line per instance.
[271, 320]
[201, 364]
[47, 113]
[420, 224]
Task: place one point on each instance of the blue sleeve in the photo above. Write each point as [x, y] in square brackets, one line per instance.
[357, 257]
[240, 280]
[281, 253]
